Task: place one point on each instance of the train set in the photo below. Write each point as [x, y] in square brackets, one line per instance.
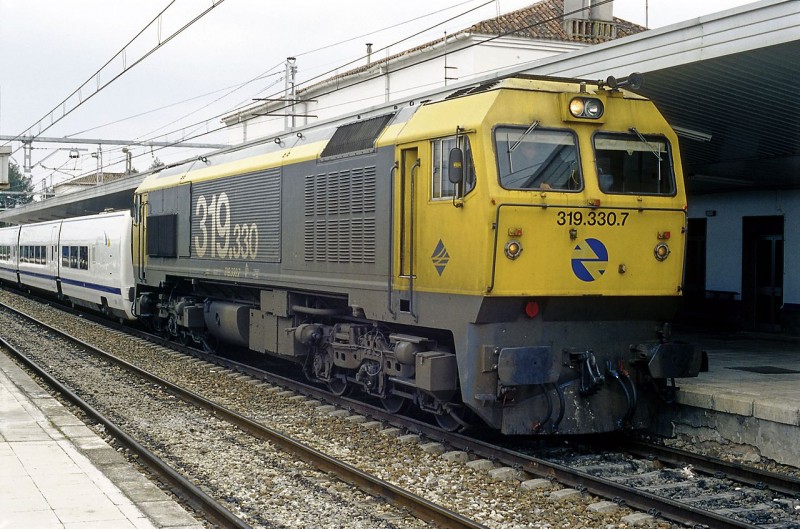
[510, 254]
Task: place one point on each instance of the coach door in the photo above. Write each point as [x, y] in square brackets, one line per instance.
[54, 255]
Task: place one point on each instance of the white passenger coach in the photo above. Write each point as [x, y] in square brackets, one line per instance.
[9, 239]
[83, 260]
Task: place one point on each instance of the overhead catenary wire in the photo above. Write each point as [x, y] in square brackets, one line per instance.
[232, 88]
[378, 75]
[429, 59]
[461, 14]
[238, 86]
[411, 65]
[126, 68]
[439, 56]
[201, 123]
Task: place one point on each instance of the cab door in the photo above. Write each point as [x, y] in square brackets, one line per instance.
[408, 201]
[440, 231]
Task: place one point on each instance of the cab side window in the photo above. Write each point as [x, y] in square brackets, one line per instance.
[441, 186]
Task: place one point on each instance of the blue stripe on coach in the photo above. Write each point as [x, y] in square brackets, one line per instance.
[74, 282]
[37, 274]
[92, 286]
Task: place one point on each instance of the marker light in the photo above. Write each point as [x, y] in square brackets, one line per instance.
[585, 107]
[513, 249]
[661, 251]
[532, 309]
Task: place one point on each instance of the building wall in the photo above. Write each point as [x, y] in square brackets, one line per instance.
[724, 214]
[419, 72]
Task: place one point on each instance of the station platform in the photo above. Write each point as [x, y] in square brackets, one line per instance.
[748, 400]
[57, 473]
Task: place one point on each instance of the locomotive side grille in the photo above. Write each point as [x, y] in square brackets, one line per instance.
[271, 204]
[344, 193]
[332, 193]
[309, 197]
[249, 230]
[340, 216]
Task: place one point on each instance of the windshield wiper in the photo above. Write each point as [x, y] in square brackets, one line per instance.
[657, 154]
[528, 131]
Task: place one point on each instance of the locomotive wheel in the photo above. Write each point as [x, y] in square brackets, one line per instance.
[339, 386]
[209, 344]
[451, 421]
[394, 404]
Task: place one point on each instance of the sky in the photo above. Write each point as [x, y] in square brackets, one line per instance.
[50, 48]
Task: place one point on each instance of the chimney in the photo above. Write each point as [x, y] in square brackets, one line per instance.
[369, 53]
[585, 19]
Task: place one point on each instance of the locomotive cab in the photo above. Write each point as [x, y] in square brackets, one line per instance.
[561, 245]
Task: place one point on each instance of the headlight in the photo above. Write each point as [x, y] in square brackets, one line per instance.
[513, 249]
[585, 107]
[661, 251]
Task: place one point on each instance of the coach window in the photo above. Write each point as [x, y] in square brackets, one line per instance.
[65, 256]
[442, 187]
[84, 258]
[73, 257]
[532, 158]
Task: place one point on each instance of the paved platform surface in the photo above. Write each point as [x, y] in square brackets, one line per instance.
[57, 473]
[749, 396]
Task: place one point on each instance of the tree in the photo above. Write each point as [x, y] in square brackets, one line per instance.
[21, 186]
[156, 164]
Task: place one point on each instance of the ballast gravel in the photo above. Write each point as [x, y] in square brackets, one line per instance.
[270, 489]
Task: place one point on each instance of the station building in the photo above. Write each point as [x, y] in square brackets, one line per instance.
[726, 82]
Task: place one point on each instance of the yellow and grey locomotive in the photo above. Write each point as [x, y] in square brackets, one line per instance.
[511, 252]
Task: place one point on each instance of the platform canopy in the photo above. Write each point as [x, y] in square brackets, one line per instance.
[727, 82]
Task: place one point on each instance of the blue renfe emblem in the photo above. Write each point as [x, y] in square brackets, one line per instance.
[589, 260]
[440, 257]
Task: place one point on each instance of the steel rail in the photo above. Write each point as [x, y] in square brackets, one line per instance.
[420, 507]
[214, 511]
[641, 500]
[783, 484]
[644, 501]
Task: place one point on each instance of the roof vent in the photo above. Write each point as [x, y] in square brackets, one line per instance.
[356, 138]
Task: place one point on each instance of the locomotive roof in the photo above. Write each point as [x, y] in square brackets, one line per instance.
[310, 143]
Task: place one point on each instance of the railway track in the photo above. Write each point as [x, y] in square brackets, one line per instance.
[689, 488]
[210, 509]
[772, 498]
[83, 357]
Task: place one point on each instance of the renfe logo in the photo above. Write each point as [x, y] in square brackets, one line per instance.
[589, 260]
[440, 257]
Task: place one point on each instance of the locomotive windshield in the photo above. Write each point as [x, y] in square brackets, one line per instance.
[537, 159]
[634, 164]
